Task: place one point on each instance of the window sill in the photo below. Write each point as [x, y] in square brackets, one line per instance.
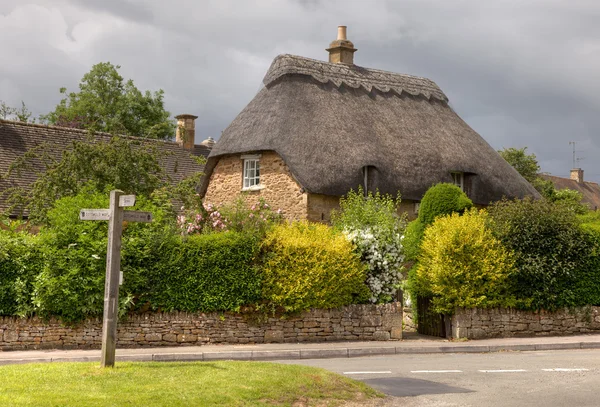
[253, 188]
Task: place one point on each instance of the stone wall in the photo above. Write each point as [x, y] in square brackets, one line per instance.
[280, 190]
[502, 322]
[408, 320]
[354, 322]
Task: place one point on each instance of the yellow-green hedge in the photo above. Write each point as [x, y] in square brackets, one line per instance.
[311, 266]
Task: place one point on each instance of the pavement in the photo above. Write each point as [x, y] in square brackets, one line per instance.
[411, 344]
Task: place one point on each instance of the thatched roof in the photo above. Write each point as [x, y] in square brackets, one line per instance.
[327, 121]
[16, 138]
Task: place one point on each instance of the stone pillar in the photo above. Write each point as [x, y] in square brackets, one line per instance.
[341, 51]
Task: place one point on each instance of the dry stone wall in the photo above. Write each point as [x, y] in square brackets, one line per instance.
[505, 322]
[354, 322]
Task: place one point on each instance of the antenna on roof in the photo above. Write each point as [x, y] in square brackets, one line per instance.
[575, 158]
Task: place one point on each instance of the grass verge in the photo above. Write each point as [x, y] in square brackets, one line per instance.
[176, 384]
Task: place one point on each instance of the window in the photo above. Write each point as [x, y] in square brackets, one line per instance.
[251, 176]
[417, 206]
[369, 173]
[458, 179]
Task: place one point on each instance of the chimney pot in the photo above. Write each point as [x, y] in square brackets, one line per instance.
[341, 51]
[186, 131]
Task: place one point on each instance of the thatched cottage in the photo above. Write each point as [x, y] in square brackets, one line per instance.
[318, 129]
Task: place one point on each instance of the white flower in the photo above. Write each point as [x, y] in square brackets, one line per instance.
[95, 256]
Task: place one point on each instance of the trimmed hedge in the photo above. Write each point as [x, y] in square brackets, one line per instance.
[311, 266]
[214, 272]
[442, 199]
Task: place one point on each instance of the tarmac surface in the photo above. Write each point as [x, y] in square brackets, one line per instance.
[412, 344]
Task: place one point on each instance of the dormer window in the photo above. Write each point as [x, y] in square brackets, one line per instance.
[458, 179]
[251, 176]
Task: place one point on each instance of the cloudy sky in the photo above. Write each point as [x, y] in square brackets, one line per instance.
[523, 73]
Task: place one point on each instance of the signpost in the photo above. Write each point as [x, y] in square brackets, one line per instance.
[115, 216]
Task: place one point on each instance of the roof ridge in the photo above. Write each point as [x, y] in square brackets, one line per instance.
[86, 132]
[353, 76]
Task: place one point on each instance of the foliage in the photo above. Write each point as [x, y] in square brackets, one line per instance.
[237, 217]
[586, 288]
[20, 260]
[590, 220]
[126, 164]
[70, 283]
[21, 114]
[214, 272]
[372, 224]
[462, 264]
[413, 236]
[157, 384]
[549, 249]
[107, 103]
[525, 164]
[442, 199]
[310, 266]
[569, 198]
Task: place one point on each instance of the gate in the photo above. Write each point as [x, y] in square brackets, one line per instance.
[428, 321]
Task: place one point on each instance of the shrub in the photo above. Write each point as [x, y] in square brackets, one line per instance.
[372, 224]
[462, 264]
[311, 266]
[412, 239]
[442, 199]
[586, 289]
[214, 272]
[549, 246]
[70, 283]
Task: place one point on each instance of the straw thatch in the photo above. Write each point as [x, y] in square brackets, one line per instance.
[328, 121]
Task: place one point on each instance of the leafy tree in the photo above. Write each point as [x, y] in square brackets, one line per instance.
[21, 114]
[527, 165]
[106, 102]
[127, 164]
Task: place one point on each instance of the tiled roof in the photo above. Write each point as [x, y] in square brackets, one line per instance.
[589, 190]
[16, 138]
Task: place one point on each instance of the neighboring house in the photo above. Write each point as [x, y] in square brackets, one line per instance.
[16, 138]
[589, 190]
[318, 129]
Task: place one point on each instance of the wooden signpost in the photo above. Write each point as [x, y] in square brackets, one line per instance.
[115, 216]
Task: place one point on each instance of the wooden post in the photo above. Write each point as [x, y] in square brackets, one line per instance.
[111, 286]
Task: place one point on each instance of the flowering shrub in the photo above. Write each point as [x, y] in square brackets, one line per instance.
[236, 217]
[372, 224]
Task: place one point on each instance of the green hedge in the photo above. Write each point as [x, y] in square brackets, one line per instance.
[442, 199]
[214, 272]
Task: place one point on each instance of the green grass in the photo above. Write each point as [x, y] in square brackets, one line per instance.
[175, 384]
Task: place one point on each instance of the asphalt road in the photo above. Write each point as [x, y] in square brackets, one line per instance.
[554, 378]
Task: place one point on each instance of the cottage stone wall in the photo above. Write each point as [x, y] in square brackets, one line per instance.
[502, 322]
[354, 322]
[280, 190]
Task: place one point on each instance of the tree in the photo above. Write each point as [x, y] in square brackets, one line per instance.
[106, 102]
[525, 164]
[21, 114]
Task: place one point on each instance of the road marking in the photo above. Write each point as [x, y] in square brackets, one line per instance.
[562, 369]
[382, 372]
[504, 371]
[436, 371]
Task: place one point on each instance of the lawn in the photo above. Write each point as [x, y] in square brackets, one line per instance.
[175, 384]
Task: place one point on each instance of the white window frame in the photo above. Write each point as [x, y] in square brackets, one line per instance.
[251, 172]
[458, 179]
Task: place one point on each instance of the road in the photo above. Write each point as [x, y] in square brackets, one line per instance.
[552, 378]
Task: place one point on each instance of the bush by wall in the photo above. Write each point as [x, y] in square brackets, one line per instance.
[442, 199]
[462, 264]
[311, 266]
[552, 252]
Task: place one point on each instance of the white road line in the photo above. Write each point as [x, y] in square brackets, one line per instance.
[562, 369]
[504, 371]
[382, 372]
[436, 371]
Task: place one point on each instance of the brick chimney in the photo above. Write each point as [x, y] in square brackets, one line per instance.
[186, 130]
[577, 175]
[341, 51]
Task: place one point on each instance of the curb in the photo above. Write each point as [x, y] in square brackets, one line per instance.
[311, 353]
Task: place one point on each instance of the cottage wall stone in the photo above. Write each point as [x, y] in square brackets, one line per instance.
[353, 322]
[506, 322]
[281, 190]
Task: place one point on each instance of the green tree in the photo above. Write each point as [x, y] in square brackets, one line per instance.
[527, 165]
[22, 114]
[106, 102]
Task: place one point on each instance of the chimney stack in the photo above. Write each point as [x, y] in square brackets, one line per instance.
[577, 175]
[186, 130]
[341, 51]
